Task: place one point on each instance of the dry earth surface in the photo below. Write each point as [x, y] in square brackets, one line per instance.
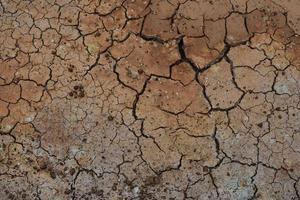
[149, 99]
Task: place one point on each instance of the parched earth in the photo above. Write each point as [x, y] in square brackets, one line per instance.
[149, 99]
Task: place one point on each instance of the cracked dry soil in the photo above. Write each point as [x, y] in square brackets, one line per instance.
[149, 99]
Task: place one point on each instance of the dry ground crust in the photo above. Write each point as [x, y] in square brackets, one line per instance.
[149, 99]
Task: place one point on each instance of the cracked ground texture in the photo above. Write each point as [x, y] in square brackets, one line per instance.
[149, 99]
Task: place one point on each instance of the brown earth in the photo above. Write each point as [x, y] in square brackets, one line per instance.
[149, 99]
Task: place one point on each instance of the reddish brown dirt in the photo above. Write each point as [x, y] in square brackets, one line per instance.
[149, 99]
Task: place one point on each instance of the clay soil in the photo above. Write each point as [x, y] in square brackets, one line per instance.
[149, 99]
